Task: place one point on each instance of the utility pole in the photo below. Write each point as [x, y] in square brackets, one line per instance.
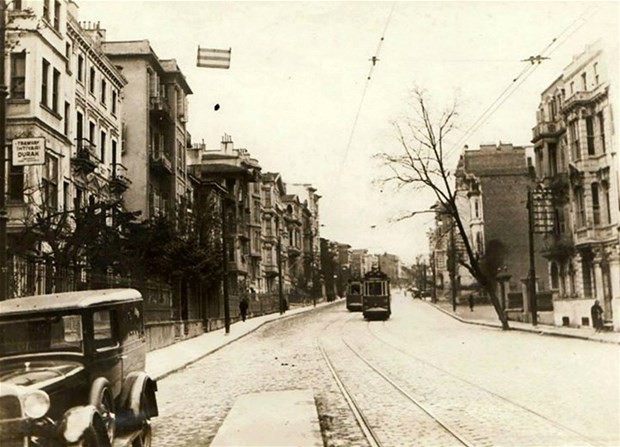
[452, 261]
[224, 199]
[4, 283]
[532, 274]
[434, 272]
[279, 260]
[312, 276]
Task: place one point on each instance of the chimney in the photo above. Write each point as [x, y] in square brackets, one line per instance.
[227, 143]
[95, 32]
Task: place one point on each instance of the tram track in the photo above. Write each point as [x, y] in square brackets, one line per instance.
[363, 421]
[584, 440]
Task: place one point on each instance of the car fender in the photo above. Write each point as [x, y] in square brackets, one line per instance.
[77, 421]
[138, 385]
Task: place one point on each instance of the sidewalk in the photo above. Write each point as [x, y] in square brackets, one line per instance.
[484, 315]
[165, 361]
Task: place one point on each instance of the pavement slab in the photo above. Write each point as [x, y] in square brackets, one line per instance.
[274, 418]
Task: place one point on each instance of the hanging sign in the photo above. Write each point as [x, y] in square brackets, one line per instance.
[28, 151]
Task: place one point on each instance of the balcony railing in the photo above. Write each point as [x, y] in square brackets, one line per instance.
[293, 250]
[120, 181]
[158, 205]
[558, 248]
[159, 104]
[85, 157]
[586, 97]
[546, 129]
[160, 161]
[270, 268]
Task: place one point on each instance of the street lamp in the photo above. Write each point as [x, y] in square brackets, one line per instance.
[281, 306]
[3, 212]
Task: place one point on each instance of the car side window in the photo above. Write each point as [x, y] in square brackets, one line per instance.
[103, 329]
[132, 328]
[66, 332]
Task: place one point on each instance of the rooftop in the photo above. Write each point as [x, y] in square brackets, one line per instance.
[66, 301]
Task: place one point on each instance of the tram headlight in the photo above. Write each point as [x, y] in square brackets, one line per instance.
[36, 404]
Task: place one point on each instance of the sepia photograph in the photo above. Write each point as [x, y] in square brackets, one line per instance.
[309, 223]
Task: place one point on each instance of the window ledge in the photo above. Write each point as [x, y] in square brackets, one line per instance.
[50, 111]
[18, 101]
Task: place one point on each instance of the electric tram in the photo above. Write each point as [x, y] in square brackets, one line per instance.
[354, 295]
[376, 301]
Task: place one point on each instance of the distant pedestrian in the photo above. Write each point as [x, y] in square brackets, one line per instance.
[243, 308]
[596, 312]
[471, 302]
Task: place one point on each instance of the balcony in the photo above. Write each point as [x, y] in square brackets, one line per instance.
[559, 185]
[592, 234]
[85, 159]
[160, 162]
[558, 248]
[584, 98]
[237, 266]
[270, 269]
[293, 250]
[158, 205]
[546, 130]
[160, 108]
[120, 181]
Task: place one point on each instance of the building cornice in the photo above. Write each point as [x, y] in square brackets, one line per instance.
[99, 58]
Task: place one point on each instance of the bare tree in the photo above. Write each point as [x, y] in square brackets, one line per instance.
[421, 164]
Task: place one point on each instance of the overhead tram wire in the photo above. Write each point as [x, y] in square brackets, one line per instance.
[524, 74]
[374, 59]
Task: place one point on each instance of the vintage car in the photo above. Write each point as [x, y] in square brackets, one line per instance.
[72, 370]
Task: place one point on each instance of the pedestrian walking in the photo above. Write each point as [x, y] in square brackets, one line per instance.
[471, 302]
[596, 312]
[243, 308]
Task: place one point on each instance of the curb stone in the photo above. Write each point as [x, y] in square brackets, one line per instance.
[522, 329]
[235, 338]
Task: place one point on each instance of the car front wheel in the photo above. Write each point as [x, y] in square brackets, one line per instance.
[101, 398]
[145, 436]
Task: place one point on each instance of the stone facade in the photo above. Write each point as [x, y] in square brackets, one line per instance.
[576, 160]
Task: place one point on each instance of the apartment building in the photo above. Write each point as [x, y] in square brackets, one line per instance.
[496, 180]
[236, 173]
[361, 262]
[274, 230]
[156, 136]
[295, 280]
[577, 162]
[391, 266]
[310, 234]
[64, 97]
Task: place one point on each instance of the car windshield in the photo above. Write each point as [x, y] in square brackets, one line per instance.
[27, 335]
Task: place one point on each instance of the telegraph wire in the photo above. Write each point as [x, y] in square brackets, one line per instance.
[374, 59]
[523, 75]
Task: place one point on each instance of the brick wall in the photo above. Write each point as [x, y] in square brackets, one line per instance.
[506, 220]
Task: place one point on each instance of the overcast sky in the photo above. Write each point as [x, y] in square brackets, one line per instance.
[299, 74]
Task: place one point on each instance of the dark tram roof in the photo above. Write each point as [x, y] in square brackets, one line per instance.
[375, 273]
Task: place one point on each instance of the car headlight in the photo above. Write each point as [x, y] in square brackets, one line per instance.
[36, 404]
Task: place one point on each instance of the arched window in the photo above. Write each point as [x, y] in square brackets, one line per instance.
[479, 243]
[555, 276]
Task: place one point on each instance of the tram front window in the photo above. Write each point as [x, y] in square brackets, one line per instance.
[374, 288]
[354, 289]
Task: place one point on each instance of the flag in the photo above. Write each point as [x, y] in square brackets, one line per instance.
[210, 58]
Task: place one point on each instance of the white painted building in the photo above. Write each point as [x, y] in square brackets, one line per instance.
[63, 90]
[577, 158]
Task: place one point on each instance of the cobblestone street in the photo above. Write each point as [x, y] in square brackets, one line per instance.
[282, 355]
[492, 387]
